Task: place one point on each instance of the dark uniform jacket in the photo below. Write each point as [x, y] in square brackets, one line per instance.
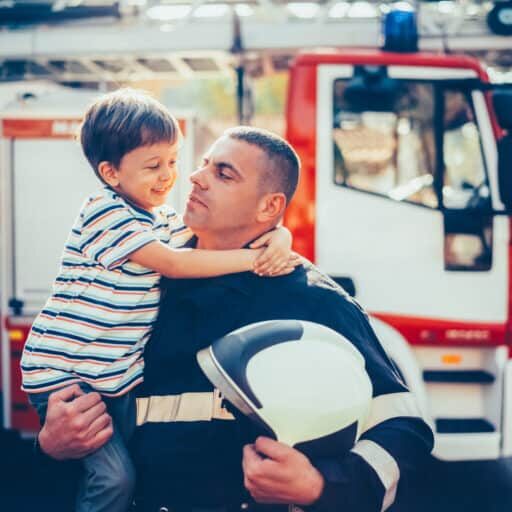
[199, 463]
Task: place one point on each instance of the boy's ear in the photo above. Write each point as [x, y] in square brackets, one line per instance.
[108, 173]
[271, 207]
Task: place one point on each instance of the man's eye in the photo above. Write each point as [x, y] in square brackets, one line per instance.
[153, 166]
[224, 175]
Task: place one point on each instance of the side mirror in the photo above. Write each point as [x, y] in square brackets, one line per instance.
[502, 101]
[505, 169]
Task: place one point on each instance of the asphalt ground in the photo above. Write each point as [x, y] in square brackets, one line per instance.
[483, 486]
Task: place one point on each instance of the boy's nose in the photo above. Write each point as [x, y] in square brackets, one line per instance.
[167, 174]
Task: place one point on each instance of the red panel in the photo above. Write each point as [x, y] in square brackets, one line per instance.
[372, 57]
[23, 416]
[301, 133]
[509, 319]
[40, 128]
[431, 331]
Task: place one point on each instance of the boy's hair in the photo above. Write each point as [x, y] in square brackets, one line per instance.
[282, 172]
[121, 121]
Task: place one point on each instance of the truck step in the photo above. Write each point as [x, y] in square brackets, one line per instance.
[459, 376]
[463, 425]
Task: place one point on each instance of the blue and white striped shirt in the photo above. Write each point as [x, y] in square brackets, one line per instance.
[94, 326]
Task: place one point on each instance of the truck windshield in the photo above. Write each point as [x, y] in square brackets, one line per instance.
[393, 149]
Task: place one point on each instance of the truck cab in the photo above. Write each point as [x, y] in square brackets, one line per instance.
[403, 156]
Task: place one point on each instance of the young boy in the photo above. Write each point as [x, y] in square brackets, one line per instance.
[94, 327]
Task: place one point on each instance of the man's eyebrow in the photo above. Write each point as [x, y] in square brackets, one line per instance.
[231, 167]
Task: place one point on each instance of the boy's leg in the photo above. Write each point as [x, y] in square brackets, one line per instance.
[109, 480]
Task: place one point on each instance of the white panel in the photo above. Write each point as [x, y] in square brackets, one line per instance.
[51, 181]
[488, 145]
[394, 251]
[430, 73]
[132, 39]
[467, 446]
[5, 275]
[14, 43]
[456, 400]
[507, 412]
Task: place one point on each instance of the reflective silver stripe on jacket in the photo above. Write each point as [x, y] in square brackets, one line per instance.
[185, 407]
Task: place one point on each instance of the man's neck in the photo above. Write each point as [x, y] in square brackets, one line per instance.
[225, 241]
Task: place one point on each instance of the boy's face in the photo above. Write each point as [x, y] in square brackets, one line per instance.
[146, 175]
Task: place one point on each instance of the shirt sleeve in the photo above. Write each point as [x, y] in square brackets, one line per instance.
[395, 439]
[110, 232]
[180, 234]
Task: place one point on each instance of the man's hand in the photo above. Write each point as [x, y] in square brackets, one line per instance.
[76, 424]
[284, 476]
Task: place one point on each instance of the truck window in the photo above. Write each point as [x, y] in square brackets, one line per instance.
[462, 152]
[386, 149]
[465, 192]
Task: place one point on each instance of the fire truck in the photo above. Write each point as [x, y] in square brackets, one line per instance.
[405, 200]
[44, 179]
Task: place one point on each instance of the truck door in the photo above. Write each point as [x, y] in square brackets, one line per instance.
[405, 176]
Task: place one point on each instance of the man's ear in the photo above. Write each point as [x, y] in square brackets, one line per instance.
[271, 207]
[108, 173]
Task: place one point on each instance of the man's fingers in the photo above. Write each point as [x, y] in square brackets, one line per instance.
[100, 432]
[85, 402]
[261, 471]
[66, 394]
[95, 412]
[250, 455]
[100, 423]
[272, 449]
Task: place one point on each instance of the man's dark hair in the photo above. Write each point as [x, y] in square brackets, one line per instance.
[122, 121]
[282, 173]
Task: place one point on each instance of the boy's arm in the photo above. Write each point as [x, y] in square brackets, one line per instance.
[191, 263]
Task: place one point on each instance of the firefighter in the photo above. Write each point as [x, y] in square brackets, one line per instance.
[192, 457]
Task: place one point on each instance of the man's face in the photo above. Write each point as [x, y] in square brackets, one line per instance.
[226, 189]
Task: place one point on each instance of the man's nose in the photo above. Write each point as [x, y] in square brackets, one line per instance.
[199, 178]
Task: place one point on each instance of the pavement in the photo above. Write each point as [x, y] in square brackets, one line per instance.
[483, 486]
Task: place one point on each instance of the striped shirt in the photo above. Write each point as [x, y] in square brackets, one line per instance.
[94, 326]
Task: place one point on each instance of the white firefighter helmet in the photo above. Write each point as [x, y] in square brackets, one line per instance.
[303, 382]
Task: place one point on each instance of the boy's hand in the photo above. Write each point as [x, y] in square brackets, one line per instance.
[293, 261]
[275, 258]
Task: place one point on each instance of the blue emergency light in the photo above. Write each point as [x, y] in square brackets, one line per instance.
[400, 31]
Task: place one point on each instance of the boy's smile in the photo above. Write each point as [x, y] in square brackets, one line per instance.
[145, 175]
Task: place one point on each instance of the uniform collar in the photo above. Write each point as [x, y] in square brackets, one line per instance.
[245, 283]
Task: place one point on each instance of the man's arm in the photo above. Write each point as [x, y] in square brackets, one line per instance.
[76, 424]
[396, 440]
